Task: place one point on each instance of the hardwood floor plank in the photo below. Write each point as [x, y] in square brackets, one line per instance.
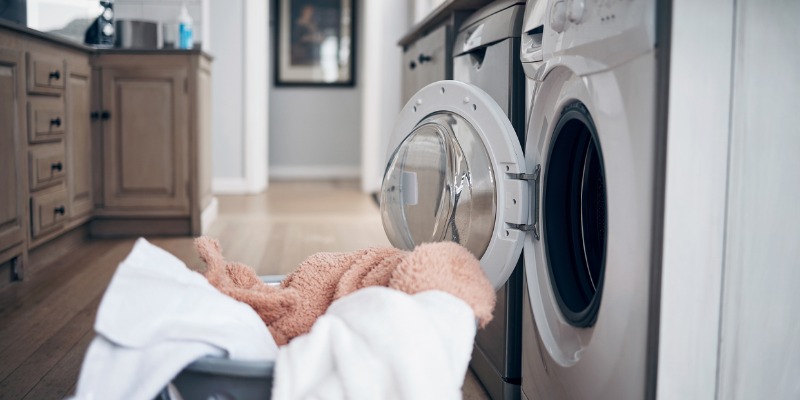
[61, 379]
[30, 293]
[38, 365]
[23, 333]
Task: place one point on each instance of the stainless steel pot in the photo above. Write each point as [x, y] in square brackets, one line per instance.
[137, 34]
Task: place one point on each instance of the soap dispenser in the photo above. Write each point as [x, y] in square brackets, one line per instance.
[185, 35]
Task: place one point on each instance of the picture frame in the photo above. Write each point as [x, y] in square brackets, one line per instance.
[315, 43]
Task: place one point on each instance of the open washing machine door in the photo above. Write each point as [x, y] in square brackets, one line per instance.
[456, 172]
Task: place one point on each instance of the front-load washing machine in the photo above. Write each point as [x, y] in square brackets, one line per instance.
[587, 327]
[486, 55]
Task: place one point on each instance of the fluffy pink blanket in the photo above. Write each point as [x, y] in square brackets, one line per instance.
[289, 310]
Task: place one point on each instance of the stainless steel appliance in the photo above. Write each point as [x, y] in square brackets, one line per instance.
[137, 34]
[486, 55]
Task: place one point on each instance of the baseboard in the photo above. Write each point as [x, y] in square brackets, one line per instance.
[229, 186]
[310, 173]
[239, 185]
[133, 227]
[208, 215]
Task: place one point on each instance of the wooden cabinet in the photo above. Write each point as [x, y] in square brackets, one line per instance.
[12, 211]
[145, 140]
[119, 139]
[154, 137]
[79, 140]
[47, 125]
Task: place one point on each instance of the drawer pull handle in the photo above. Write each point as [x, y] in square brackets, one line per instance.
[60, 210]
[57, 166]
[56, 121]
[424, 58]
[412, 64]
[55, 75]
[105, 115]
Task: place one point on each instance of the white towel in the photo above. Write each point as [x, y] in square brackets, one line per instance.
[379, 343]
[155, 318]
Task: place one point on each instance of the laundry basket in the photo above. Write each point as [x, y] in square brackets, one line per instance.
[219, 378]
[222, 378]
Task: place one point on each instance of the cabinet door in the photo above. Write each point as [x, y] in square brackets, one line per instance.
[11, 205]
[409, 75]
[145, 140]
[79, 140]
[434, 61]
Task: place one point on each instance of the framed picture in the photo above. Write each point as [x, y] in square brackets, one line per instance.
[315, 43]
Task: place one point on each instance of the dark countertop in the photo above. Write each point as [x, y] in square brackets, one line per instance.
[117, 50]
[12, 26]
[438, 15]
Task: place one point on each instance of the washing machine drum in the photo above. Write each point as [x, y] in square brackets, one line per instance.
[454, 174]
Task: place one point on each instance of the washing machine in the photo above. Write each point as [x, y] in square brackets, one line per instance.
[581, 200]
[486, 55]
[589, 308]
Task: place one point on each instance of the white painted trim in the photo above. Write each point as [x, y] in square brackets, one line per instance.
[256, 107]
[335, 172]
[371, 120]
[381, 63]
[205, 15]
[231, 186]
[208, 215]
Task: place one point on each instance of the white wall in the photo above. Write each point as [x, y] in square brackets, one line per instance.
[729, 321]
[316, 132]
[694, 220]
[760, 332]
[239, 95]
[386, 22]
[227, 89]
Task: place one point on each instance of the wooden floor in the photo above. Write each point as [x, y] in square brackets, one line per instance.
[46, 321]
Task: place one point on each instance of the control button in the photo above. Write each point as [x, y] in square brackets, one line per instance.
[558, 16]
[576, 9]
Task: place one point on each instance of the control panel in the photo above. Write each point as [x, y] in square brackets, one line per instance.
[607, 32]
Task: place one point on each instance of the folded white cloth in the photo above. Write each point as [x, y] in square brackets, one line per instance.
[379, 343]
[155, 318]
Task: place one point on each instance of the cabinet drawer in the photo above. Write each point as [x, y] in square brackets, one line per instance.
[47, 165]
[45, 74]
[48, 212]
[46, 120]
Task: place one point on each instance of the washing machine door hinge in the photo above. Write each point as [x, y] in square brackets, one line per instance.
[531, 178]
